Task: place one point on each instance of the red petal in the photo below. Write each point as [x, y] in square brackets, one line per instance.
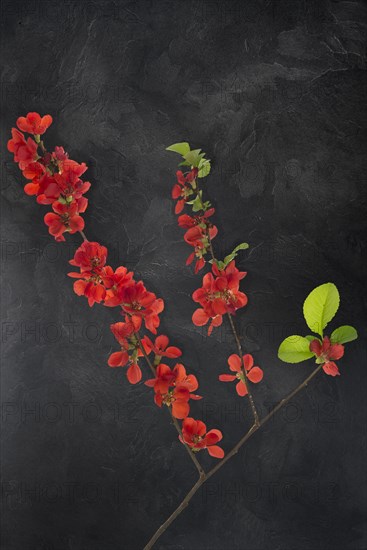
[215, 451]
[118, 359]
[200, 318]
[248, 361]
[227, 377]
[336, 351]
[255, 375]
[331, 369]
[134, 374]
[180, 409]
[234, 362]
[241, 389]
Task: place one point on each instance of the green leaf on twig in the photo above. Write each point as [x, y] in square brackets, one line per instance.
[320, 307]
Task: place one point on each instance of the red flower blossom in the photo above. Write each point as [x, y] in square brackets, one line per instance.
[115, 281]
[65, 218]
[35, 171]
[181, 190]
[91, 286]
[66, 184]
[326, 353]
[161, 347]
[218, 295]
[24, 151]
[138, 302]
[194, 434]
[90, 256]
[254, 374]
[34, 124]
[174, 388]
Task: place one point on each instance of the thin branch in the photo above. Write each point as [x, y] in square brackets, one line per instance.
[229, 455]
[83, 235]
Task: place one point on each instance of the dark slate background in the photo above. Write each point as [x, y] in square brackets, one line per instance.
[274, 93]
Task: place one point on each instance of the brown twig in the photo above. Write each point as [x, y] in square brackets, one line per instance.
[229, 455]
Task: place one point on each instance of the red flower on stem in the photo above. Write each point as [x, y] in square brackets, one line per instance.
[160, 347]
[194, 434]
[181, 190]
[326, 353]
[90, 256]
[254, 374]
[24, 151]
[174, 388]
[64, 218]
[218, 295]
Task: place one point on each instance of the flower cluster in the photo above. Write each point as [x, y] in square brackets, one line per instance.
[200, 230]
[219, 295]
[55, 179]
[245, 370]
[174, 387]
[326, 353]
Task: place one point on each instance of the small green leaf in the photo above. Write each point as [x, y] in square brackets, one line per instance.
[204, 168]
[294, 349]
[320, 307]
[184, 163]
[228, 258]
[196, 204]
[193, 157]
[242, 246]
[344, 334]
[233, 254]
[181, 148]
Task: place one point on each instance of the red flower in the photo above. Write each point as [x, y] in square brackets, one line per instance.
[161, 347]
[34, 124]
[24, 151]
[218, 295]
[326, 352]
[64, 218]
[165, 377]
[194, 434]
[174, 388]
[90, 256]
[138, 302]
[35, 171]
[66, 184]
[114, 281]
[120, 359]
[181, 190]
[91, 286]
[254, 374]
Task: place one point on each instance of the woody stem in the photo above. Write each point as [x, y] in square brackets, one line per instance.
[174, 420]
[229, 455]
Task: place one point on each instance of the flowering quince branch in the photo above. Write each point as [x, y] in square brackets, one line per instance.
[56, 181]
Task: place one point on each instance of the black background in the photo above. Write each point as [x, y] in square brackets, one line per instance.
[274, 93]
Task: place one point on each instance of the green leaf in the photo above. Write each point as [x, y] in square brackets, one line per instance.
[295, 349]
[233, 254]
[320, 307]
[344, 334]
[197, 205]
[193, 157]
[204, 168]
[242, 246]
[181, 148]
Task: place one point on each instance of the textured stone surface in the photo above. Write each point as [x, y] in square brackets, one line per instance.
[275, 93]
